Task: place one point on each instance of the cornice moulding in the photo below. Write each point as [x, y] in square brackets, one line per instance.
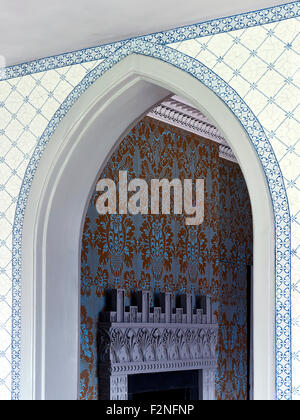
[179, 113]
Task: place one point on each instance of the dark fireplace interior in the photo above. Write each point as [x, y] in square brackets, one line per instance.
[171, 386]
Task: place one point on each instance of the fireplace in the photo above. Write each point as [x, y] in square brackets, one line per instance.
[166, 386]
[157, 353]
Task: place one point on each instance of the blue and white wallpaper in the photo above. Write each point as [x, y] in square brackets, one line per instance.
[252, 62]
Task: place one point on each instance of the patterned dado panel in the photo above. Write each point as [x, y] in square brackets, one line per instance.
[160, 253]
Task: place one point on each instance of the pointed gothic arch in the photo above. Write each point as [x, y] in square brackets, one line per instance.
[54, 197]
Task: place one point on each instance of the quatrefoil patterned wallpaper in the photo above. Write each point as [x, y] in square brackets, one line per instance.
[257, 54]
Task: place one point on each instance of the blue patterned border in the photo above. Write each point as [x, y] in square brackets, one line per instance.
[268, 160]
[212, 27]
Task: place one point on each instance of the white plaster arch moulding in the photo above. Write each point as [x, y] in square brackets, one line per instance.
[55, 195]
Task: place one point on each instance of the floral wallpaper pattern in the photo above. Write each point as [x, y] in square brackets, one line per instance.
[161, 253]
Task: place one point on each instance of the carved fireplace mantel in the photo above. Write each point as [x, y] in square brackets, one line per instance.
[145, 340]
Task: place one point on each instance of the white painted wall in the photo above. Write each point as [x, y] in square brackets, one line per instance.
[57, 206]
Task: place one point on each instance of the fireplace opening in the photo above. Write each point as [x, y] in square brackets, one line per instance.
[164, 386]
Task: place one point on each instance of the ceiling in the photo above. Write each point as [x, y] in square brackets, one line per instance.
[32, 29]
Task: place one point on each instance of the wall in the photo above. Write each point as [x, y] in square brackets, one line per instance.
[161, 253]
[257, 55]
[235, 253]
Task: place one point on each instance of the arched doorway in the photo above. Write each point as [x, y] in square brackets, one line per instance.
[160, 257]
[57, 204]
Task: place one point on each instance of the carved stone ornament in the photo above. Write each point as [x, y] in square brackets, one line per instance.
[146, 340]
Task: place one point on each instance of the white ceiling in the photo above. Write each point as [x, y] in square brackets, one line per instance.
[32, 29]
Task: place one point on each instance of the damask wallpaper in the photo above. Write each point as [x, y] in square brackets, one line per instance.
[161, 253]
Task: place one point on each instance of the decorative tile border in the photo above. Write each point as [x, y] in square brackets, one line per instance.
[61, 60]
[212, 27]
[227, 24]
[266, 156]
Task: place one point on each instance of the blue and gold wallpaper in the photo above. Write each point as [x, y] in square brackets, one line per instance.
[162, 253]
